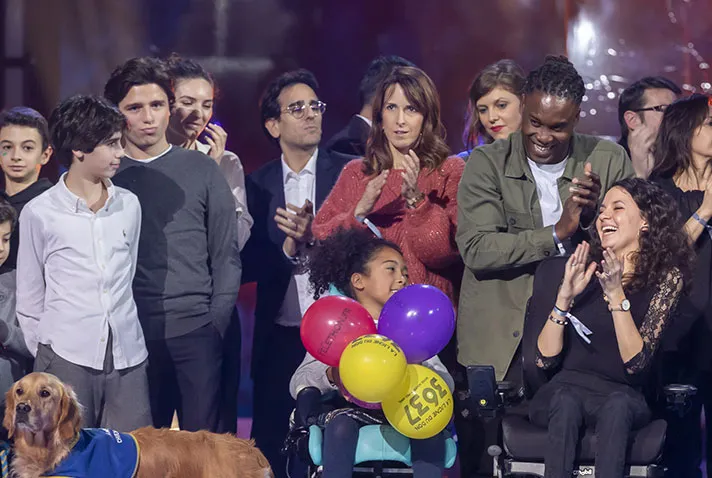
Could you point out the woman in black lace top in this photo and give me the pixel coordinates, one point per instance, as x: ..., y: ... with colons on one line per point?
x: 598, y: 335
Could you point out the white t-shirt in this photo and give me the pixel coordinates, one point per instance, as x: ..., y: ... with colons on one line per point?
x: 546, y: 177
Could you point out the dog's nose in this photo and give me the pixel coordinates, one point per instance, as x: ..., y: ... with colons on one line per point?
x: 23, y: 408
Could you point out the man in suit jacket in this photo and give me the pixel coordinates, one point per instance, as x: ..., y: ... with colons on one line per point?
x: 283, y: 196
x: 351, y: 141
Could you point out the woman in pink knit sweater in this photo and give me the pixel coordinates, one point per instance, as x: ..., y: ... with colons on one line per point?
x: 405, y: 188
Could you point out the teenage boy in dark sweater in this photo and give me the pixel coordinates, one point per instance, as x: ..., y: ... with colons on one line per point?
x: 189, y: 270
x: 24, y: 149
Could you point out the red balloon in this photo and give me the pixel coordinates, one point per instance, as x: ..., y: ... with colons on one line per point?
x: 332, y: 323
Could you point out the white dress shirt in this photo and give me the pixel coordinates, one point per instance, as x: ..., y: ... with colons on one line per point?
x: 298, y: 187
x: 74, y: 274
x: 546, y: 177
x: 231, y: 168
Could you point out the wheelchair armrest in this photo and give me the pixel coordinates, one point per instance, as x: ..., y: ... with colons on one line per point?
x: 682, y: 390
x: 309, y: 405
x: 505, y: 386
x: 678, y: 397
x: 487, y: 396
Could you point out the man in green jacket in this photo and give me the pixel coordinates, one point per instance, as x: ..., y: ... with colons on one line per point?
x: 520, y: 201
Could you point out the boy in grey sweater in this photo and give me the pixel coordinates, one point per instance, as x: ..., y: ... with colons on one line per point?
x: 188, y: 270
x: 14, y: 357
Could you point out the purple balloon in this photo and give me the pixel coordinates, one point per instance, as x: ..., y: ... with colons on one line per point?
x: 420, y: 319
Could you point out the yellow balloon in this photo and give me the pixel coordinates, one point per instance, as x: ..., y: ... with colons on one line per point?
x: 421, y: 406
x: 371, y: 367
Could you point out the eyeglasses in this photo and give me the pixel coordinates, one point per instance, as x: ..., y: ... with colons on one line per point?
x: 658, y: 108
x: 299, y: 109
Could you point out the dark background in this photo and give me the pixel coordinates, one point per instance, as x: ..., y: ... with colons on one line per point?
x: 71, y: 46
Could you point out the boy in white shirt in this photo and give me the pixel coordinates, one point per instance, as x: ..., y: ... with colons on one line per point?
x: 75, y: 267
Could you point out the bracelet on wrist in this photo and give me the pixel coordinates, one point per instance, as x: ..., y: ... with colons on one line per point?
x: 557, y: 321
x: 415, y: 201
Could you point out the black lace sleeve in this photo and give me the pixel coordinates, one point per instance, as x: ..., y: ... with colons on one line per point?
x: 546, y: 363
x: 656, y: 320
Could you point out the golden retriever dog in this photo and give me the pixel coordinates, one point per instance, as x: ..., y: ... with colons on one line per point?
x: 43, y: 416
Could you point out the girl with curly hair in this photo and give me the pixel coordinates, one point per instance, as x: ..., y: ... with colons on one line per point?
x: 598, y: 337
x: 368, y: 269
x: 683, y: 166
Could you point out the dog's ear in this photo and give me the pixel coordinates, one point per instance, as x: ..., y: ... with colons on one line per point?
x: 9, y: 420
x: 70, y: 418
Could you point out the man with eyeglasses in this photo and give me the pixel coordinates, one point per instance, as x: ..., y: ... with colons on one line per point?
x: 640, y: 111
x: 283, y: 196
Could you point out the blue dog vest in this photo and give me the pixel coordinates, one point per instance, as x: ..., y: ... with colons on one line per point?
x: 100, y: 453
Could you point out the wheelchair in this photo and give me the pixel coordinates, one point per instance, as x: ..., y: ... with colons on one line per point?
x: 523, y: 445
x: 381, y: 450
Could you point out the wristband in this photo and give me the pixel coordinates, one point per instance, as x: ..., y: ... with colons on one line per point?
x: 578, y: 326
x: 697, y: 218
x: 557, y: 241
x: 562, y: 313
x: 370, y: 225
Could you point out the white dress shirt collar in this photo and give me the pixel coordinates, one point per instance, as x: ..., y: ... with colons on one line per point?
x: 74, y: 202
x: 309, y: 168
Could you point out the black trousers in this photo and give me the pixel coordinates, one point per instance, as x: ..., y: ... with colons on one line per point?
x: 274, y: 363
x: 565, y: 408
x: 184, y: 375
x: 230, y: 387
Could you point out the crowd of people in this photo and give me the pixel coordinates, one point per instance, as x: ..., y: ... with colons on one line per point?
x: 121, y: 279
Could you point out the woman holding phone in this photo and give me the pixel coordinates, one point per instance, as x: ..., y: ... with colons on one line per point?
x: 190, y: 121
